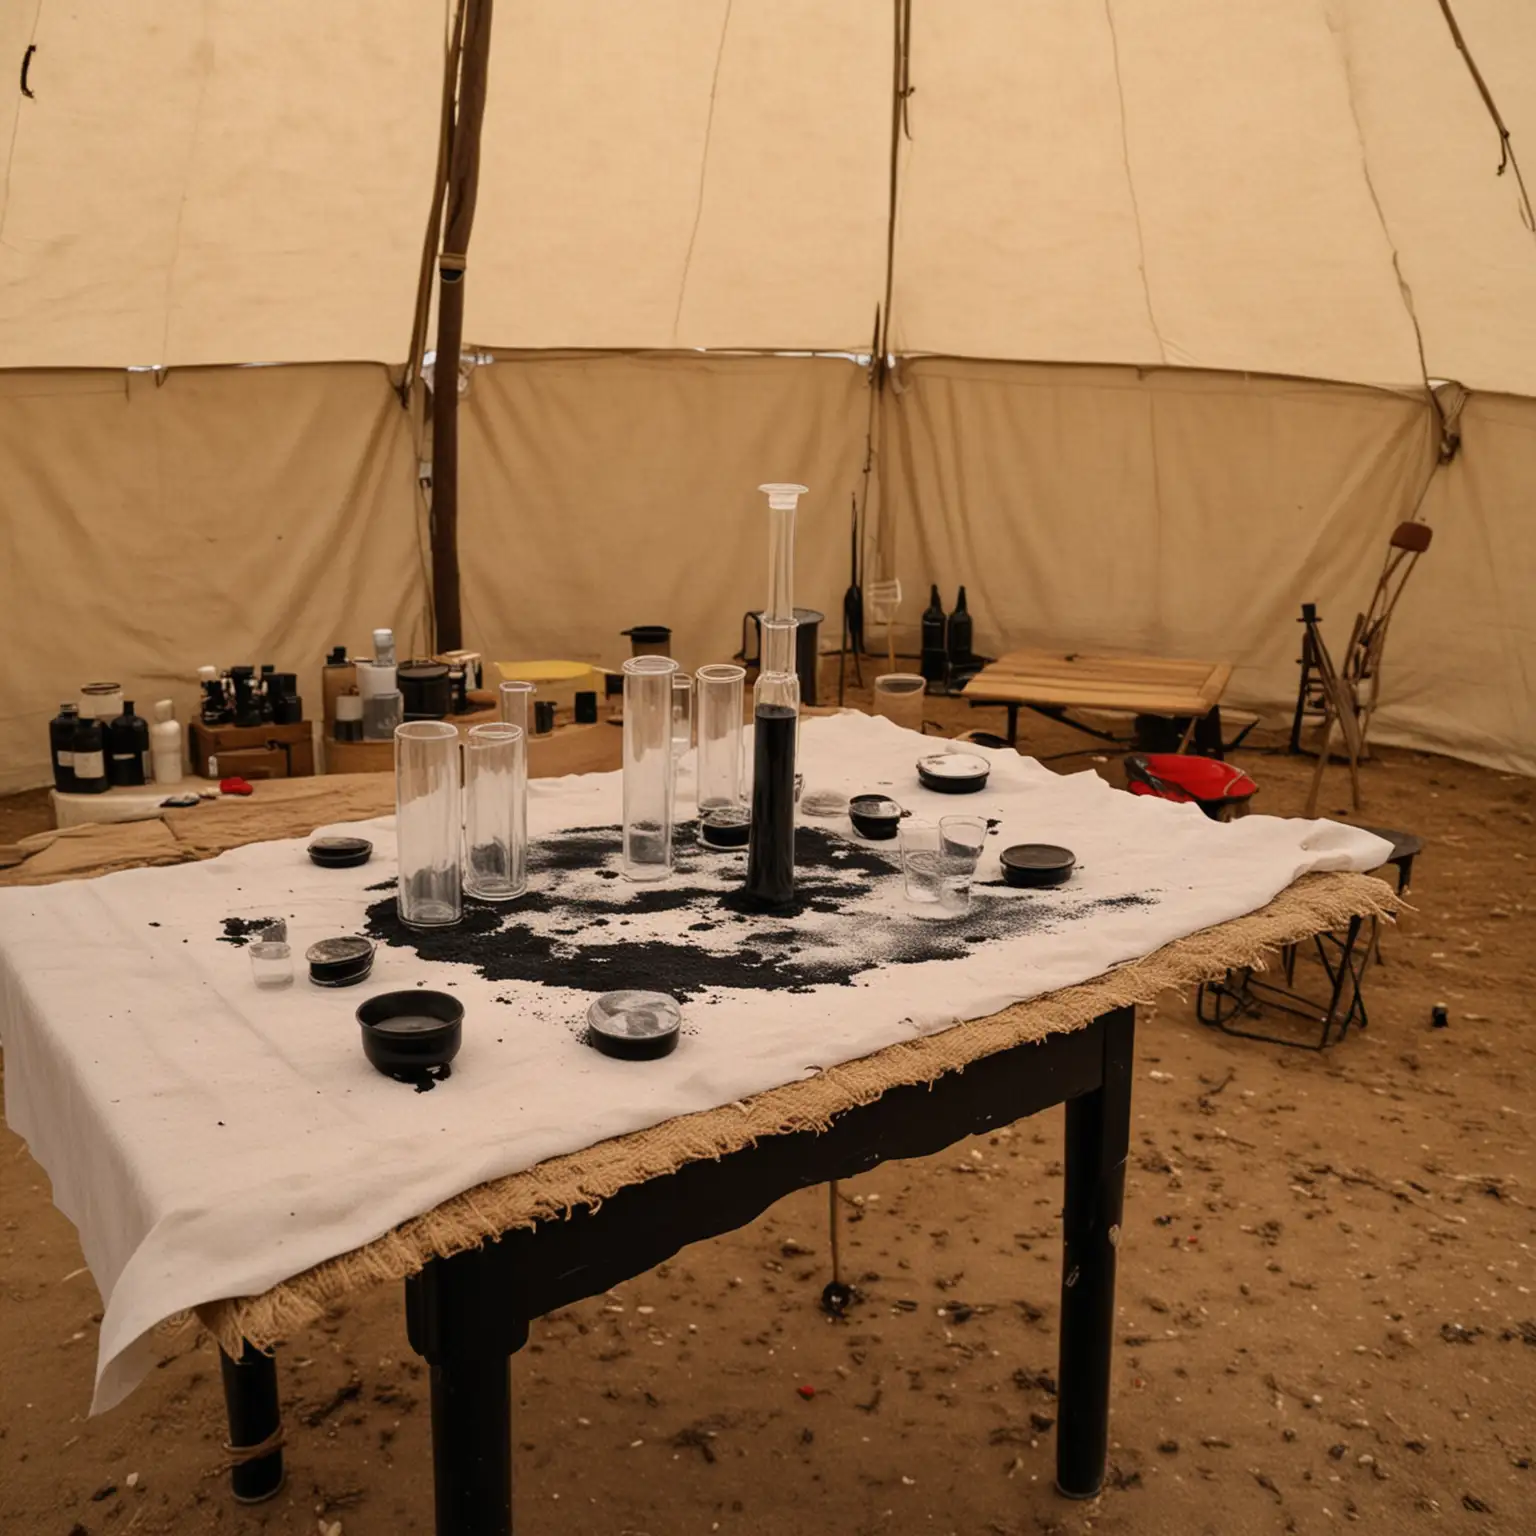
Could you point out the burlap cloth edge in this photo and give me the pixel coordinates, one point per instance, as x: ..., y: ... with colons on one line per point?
x: 553, y: 1188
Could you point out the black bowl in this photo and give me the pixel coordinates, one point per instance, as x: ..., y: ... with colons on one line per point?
x: 728, y: 826
x: 405, y: 1033
x: 875, y: 817
x: 1037, y: 864
x: 954, y: 773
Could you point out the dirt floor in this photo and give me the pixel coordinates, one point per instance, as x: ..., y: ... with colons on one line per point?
x: 1326, y: 1308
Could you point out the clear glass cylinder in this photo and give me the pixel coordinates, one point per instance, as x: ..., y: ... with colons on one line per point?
x: 496, y: 812
x: 516, y: 701
x: 648, y: 767
x: 775, y: 720
x: 682, y: 713
x: 899, y: 697
x: 782, y: 501
x: 429, y: 828
x: 717, y: 711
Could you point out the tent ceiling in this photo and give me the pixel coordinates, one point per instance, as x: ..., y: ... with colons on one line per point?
x: 1165, y: 181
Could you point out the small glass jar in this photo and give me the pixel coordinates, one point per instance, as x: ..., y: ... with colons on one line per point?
x: 271, y: 958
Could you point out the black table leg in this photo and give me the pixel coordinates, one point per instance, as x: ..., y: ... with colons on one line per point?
x: 466, y: 1326
x: 1098, y: 1137
x: 255, y: 1425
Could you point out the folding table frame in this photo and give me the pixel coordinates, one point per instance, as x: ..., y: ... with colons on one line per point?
x: 468, y: 1314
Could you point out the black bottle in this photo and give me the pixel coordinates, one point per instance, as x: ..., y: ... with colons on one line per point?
x: 933, y: 664
x: 959, y: 635
x: 127, y: 747
x: 90, y: 756
x: 61, y: 747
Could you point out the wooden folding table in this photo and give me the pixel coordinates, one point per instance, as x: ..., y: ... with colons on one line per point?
x: 1052, y: 682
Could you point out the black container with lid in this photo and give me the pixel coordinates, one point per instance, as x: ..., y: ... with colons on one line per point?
x: 128, y: 747
x: 90, y: 754
x: 426, y: 690
x: 61, y: 747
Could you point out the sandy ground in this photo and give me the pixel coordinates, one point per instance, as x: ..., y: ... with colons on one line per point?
x: 1326, y: 1299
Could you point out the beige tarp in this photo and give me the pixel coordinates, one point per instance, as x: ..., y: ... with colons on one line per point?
x: 224, y: 515
x: 1189, y: 515
x: 600, y: 492
x: 1309, y: 188
x: 255, y: 514
x: 1196, y: 182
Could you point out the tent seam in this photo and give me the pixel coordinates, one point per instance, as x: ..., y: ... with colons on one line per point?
x: 698, y: 207
x: 1130, y: 184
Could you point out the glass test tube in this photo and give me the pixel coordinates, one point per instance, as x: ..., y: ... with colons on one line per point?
x: 496, y: 812
x: 516, y: 701
x: 428, y: 826
x: 775, y: 719
x: 648, y: 767
x: 718, y: 709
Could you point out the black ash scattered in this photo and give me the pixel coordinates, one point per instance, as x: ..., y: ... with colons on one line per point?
x: 241, y: 930
x: 577, y: 929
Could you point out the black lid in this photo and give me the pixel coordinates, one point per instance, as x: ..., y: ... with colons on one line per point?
x: 337, y: 657
x: 649, y: 632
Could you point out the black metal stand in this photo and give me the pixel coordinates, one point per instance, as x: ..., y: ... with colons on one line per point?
x: 467, y: 1314
x: 1243, y: 994
x: 255, y: 1423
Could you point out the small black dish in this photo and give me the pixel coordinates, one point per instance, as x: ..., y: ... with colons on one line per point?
x: 340, y: 852
x: 1036, y: 864
x: 728, y: 827
x: 954, y: 773
x: 405, y: 1034
x: 340, y: 962
x: 634, y: 1026
x: 874, y: 817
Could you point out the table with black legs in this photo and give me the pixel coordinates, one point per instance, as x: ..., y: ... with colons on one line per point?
x: 468, y: 1315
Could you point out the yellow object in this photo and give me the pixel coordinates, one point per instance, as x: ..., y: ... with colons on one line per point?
x: 554, y: 681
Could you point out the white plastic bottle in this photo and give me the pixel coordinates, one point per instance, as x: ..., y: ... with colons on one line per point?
x: 165, y: 744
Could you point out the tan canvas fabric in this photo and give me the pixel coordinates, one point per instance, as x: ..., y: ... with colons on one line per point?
x: 1277, y: 185
x: 1460, y: 672
x: 601, y: 492
x: 683, y: 173
x: 219, y: 516
x: 216, y: 183
x: 1188, y: 514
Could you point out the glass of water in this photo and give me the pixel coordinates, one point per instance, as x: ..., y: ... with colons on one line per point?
x: 938, y: 868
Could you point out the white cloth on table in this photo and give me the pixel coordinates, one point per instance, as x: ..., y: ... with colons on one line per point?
x: 210, y: 1139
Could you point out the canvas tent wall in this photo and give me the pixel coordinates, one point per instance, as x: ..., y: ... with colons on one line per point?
x: 1308, y: 190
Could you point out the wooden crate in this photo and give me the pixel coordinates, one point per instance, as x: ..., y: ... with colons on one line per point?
x: 253, y: 751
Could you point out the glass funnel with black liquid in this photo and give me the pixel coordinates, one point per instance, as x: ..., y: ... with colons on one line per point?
x: 775, y: 716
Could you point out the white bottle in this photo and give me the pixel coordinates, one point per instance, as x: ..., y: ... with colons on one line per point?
x: 384, y: 648
x: 165, y: 744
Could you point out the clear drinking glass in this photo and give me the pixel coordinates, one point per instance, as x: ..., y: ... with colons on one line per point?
x: 648, y: 767
x: 496, y: 812
x: 271, y: 959
x: 718, y: 710
x: 938, y: 872
x: 516, y: 700
x: 899, y: 697
x: 962, y: 836
x: 428, y: 824
x: 682, y: 713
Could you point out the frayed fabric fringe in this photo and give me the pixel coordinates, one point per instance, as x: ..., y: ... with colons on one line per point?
x: 550, y: 1190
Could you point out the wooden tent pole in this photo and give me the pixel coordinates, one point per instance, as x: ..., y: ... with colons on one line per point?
x: 463, y: 185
